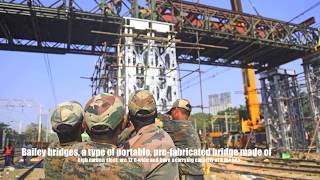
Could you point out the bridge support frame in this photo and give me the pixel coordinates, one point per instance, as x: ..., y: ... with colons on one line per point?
x: 282, y: 109
x: 311, y: 67
x: 146, y: 59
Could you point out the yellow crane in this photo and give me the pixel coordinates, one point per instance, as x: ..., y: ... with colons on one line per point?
x: 250, y: 118
x: 250, y: 121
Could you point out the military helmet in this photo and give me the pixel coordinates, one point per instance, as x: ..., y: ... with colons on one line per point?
x: 181, y: 103
x: 142, y: 104
x: 67, y: 113
x: 104, y: 109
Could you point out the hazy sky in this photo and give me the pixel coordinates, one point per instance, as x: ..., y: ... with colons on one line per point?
x: 24, y: 76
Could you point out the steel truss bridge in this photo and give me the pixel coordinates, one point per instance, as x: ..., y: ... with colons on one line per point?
x: 66, y: 27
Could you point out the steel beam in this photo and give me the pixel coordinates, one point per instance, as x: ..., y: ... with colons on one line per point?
x: 143, y: 64
x: 262, y: 30
x: 215, y: 26
x: 312, y: 74
x: 283, y: 115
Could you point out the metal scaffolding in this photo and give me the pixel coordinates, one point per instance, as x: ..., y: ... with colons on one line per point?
x: 282, y: 109
x: 312, y: 74
x: 146, y: 60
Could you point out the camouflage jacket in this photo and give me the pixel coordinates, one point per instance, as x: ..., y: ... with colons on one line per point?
x: 184, y: 136
x: 151, y: 137
x: 53, y: 165
x: 73, y: 169
x: 124, y: 136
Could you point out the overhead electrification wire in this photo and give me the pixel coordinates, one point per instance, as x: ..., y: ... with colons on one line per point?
x: 304, y: 12
x: 50, y: 77
x: 254, y: 8
x: 207, y: 78
x: 189, y: 81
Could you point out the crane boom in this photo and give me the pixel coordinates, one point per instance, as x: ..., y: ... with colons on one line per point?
x: 252, y: 102
x: 252, y: 121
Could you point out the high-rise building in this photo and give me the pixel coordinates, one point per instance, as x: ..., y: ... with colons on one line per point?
x: 219, y: 102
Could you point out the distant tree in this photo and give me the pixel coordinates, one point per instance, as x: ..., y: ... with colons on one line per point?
x: 201, y: 119
x: 234, y: 111
x: 10, y: 134
x: 31, y: 132
x: 3, y: 126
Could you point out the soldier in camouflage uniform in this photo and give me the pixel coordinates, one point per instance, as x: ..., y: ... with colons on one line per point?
x: 66, y: 121
x: 104, y: 118
x: 184, y: 136
x: 125, y: 134
x: 142, y: 114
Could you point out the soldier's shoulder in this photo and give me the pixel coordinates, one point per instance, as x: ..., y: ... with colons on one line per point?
x: 80, y: 145
x: 164, y: 117
x: 152, y: 136
x: 54, y: 145
x: 176, y: 125
x: 167, y: 139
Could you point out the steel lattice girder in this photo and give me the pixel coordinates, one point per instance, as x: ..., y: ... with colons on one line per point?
x: 250, y: 38
x: 55, y: 30
x: 263, y: 42
x: 229, y: 24
x: 283, y: 115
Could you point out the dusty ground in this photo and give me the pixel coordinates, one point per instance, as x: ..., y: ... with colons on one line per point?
x: 36, y: 174
x: 305, y: 155
x: 18, y: 169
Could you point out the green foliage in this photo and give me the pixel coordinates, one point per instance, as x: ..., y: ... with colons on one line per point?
x: 232, y: 110
x: 3, y: 126
x: 219, y: 123
x: 31, y: 133
x: 10, y: 134
x: 201, y: 119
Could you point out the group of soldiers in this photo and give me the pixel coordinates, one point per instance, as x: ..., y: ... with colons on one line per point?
x: 110, y: 7
x: 104, y: 120
x: 113, y: 7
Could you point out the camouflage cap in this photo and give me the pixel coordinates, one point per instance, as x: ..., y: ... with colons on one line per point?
x: 104, y: 109
x: 69, y: 113
x: 181, y: 103
x: 142, y: 104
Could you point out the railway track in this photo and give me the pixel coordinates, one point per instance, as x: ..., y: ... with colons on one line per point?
x: 296, y: 163
x: 271, y: 168
x: 263, y: 175
x: 29, y: 171
x: 21, y: 171
x: 294, y: 160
